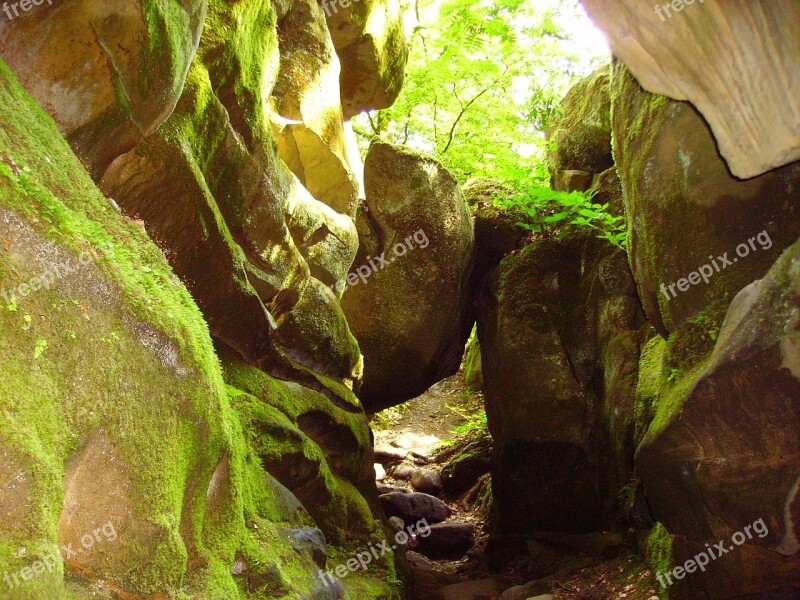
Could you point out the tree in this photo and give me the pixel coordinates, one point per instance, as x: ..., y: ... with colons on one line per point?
x: 483, y: 83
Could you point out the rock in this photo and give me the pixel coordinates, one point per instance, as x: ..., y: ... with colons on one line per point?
x: 481, y: 589
x: 428, y: 481
x: 674, y: 179
x: 417, y: 220
x: 473, y: 372
x: 388, y: 489
x: 724, y: 443
x: 309, y: 541
x: 386, y: 455
x: 105, y: 72
x: 413, y: 507
x: 397, y: 524
x: 369, y: 37
x: 307, y: 111
x: 418, y: 560
x: 551, y: 316
x: 115, y: 356
x: 497, y: 230
x: 534, y: 590
x: 573, y: 180
x: 380, y: 472
x: 582, y: 134
x: 466, y: 467
x: 448, y: 540
x: 278, y: 311
x: 318, y: 450
x: 751, y: 106
x: 403, y: 472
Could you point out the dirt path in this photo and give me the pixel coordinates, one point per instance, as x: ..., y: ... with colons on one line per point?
x: 424, y: 423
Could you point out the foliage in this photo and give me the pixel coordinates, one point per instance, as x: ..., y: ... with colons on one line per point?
x: 484, y: 82
x: 547, y: 211
x: 472, y: 421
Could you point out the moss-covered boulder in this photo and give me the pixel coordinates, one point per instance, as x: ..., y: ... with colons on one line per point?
x: 686, y: 212
x: 407, y: 298
x: 129, y: 469
x: 109, y: 73
x: 721, y: 458
x: 369, y: 36
x: 581, y: 134
x: 257, y: 251
x: 560, y: 328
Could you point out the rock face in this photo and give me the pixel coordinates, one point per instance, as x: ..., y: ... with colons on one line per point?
x: 410, y: 316
x: 582, y: 134
x: 370, y: 40
x: 559, y: 328
x: 674, y: 182
x: 750, y: 102
x: 721, y: 459
x: 307, y: 120
x: 274, y: 247
x: 124, y: 447
x: 219, y: 128
x: 120, y: 68
x: 582, y: 159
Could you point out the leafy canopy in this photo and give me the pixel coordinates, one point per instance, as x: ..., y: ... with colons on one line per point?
x: 484, y: 81
x: 483, y: 84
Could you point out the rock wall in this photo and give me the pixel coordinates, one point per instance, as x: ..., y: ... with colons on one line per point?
x: 712, y: 257
x: 745, y: 90
x: 218, y: 131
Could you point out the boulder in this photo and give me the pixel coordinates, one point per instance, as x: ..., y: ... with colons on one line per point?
x: 407, y: 299
x: 552, y: 317
x: 750, y: 105
x: 473, y: 371
x: 581, y: 134
x: 465, y: 468
x: 369, y: 37
x: 415, y: 506
x: 387, y: 489
x: 721, y: 456
x: 109, y: 73
x: 448, y: 540
x: 428, y: 481
x: 675, y: 182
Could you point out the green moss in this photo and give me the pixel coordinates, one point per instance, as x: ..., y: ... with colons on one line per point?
x: 658, y: 555
x: 144, y: 372
x: 473, y: 371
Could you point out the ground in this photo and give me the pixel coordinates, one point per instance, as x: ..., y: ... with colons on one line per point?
x: 436, y: 422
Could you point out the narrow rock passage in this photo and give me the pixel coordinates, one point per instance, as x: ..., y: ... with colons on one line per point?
x: 432, y: 462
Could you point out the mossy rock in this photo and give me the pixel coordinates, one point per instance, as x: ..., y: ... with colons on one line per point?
x: 110, y: 383
x: 473, y: 372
